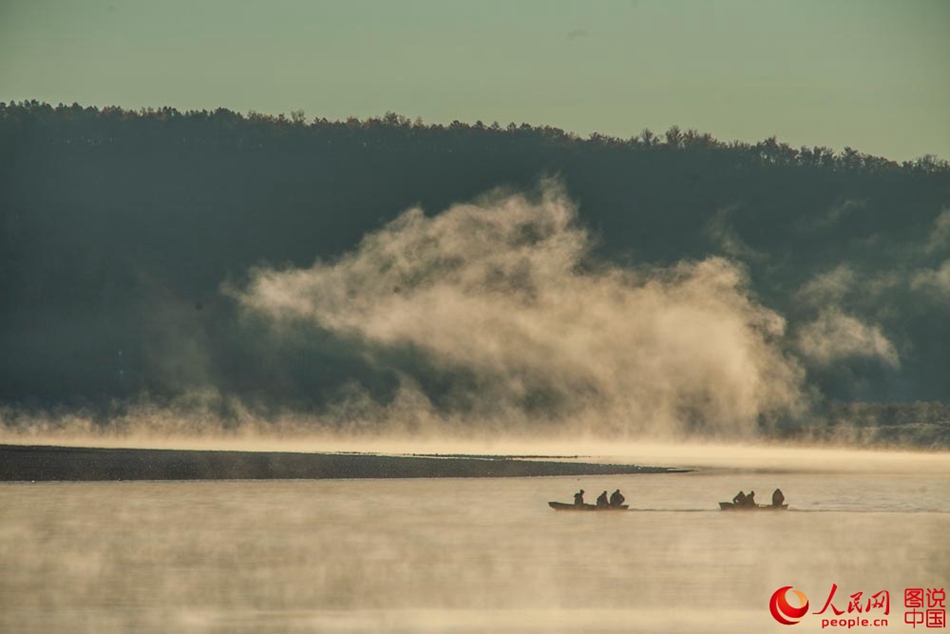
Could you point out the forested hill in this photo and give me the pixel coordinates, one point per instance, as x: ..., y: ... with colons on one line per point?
x: 119, y: 228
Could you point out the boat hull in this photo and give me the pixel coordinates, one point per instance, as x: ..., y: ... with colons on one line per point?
x: 729, y: 506
x: 561, y: 506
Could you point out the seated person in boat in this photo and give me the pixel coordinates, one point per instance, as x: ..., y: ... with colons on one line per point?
x: 778, y: 498
x: 602, y: 501
x: 739, y: 500
x: 616, y: 498
x: 750, y: 499
x: 579, y: 498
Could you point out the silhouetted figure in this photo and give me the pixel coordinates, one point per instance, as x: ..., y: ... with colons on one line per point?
x: 739, y: 500
x: 616, y: 498
x: 750, y: 499
x: 778, y: 498
x: 579, y: 498
x: 602, y: 502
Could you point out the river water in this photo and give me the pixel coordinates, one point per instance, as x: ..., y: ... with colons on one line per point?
x: 465, y: 555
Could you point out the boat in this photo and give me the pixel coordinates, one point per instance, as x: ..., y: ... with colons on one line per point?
x: 730, y: 506
x: 563, y: 506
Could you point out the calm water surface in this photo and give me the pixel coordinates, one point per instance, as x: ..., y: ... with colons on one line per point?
x: 459, y: 555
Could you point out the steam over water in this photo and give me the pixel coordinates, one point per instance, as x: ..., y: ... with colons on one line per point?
x: 492, y: 321
x: 462, y: 555
x: 503, y: 299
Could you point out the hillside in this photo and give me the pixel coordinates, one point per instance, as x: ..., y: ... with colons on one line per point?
x: 122, y: 233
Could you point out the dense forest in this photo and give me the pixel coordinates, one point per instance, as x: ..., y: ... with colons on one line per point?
x: 121, y: 233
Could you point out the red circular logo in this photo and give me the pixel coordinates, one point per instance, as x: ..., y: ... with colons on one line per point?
x: 782, y: 611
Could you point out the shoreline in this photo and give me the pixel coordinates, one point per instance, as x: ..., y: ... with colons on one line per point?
x: 49, y: 463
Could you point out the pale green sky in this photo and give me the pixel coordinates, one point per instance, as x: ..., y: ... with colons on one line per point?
x: 872, y: 74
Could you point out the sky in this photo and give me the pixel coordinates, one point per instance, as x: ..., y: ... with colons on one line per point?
x: 870, y: 74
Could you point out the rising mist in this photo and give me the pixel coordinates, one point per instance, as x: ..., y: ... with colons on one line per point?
x: 504, y: 300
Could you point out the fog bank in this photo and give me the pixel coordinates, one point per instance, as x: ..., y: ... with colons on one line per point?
x: 504, y: 297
